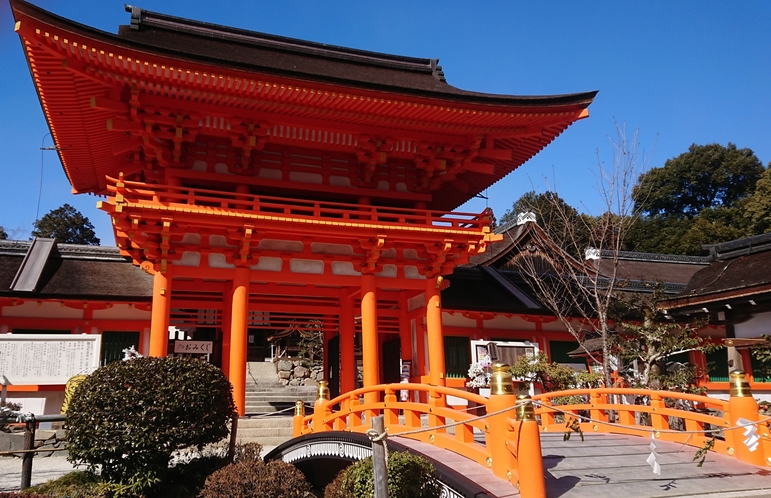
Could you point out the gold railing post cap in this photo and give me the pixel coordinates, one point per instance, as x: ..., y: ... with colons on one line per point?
x: 740, y: 386
x: 323, y: 390
x: 299, y: 408
x: 501, y: 381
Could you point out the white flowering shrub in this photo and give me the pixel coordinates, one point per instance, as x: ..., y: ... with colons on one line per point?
x: 479, y: 377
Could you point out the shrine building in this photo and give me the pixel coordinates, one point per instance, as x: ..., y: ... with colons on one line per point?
x: 262, y: 180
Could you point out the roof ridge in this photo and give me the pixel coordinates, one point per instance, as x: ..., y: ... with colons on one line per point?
x: 657, y: 257
x: 141, y: 17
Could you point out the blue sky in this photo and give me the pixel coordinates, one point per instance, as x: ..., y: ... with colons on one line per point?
x: 681, y: 72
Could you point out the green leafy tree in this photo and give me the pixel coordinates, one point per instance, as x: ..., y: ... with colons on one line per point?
x: 704, y: 177
x: 3, y: 234
x: 67, y: 225
x: 758, y: 206
x: 553, y: 376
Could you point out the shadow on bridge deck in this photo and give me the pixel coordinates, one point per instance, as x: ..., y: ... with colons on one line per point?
x: 604, y: 465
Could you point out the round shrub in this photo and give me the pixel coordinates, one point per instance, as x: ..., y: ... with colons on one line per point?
x: 409, y: 476
x: 128, y: 417
x: 253, y: 478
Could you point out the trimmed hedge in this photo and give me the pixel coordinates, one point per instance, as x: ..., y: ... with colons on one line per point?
x: 128, y: 417
x: 250, y: 477
x: 409, y: 476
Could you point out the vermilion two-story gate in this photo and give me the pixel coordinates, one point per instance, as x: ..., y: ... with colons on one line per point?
x: 262, y: 179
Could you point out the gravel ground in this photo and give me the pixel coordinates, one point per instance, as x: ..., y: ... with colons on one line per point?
x: 43, y: 469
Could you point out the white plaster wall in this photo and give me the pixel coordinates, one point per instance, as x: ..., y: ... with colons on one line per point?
x: 43, y: 310
x: 508, y: 323
x: 756, y: 326
x: 38, y: 402
x: 457, y: 320
x: 121, y: 312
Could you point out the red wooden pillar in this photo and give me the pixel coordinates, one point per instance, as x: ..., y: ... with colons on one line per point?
x: 347, y: 353
x: 227, y: 309
x: 435, y: 338
x: 369, y: 342
x: 159, y: 321
x: 238, y: 337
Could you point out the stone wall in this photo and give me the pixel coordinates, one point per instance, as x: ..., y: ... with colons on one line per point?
x: 293, y: 373
x: 49, y: 441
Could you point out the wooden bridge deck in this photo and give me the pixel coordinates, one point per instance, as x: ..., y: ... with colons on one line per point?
x: 614, y: 465
x: 610, y: 465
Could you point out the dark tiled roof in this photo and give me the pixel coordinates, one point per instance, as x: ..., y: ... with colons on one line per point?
x: 223, y: 46
x: 737, y: 282
x: 674, y: 273
x: 300, y: 58
x: 77, y: 272
x: 744, y: 272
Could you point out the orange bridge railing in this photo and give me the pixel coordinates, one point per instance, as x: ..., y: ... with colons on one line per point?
x: 502, y: 432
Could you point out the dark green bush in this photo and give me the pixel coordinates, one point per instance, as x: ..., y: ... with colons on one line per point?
x: 128, y: 417
x: 409, y: 476
x: 76, y: 484
x: 250, y: 477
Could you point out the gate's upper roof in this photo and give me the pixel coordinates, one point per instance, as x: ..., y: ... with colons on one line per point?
x: 239, y: 70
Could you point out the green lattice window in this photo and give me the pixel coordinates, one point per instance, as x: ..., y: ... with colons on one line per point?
x: 113, y: 344
x: 717, y: 365
x: 457, y: 356
x: 761, y: 370
x: 558, y: 352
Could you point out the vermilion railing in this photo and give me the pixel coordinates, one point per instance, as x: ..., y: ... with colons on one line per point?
x: 670, y: 416
x: 204, y: 199
x: 510, y: 446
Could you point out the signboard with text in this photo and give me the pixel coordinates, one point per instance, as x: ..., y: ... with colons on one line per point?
x: 46, y: 359
x: 193, y: 347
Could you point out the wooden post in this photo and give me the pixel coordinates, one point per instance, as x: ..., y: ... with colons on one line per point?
x: 529, y: 456
x: 233, y: 435
x: 741, y: 405
x: 297, y: 421
x: 435, y: 337
x: 238, y: 337
x: 159, y: 320
x: 501, y: 461
x: 369, y: 342
x: 26, y: 461
x: 379, y: 469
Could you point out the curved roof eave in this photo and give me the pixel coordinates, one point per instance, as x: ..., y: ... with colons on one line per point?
x: 369, y: 70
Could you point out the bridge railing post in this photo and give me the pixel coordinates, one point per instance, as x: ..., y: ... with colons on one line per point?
x: 321, y: 407
x: 500, y: 459
x: 297, y: 421
x: 529, y: 455
x: 741, y: 405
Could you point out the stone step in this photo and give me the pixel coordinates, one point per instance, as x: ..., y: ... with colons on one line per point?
x: 265, y: 441
x: 279, y: 396
x: 268, y: 431
x: 272, y: 422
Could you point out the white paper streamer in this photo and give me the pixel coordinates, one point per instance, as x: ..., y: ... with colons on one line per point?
x: 751, y: 438
x: 652, y: 458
